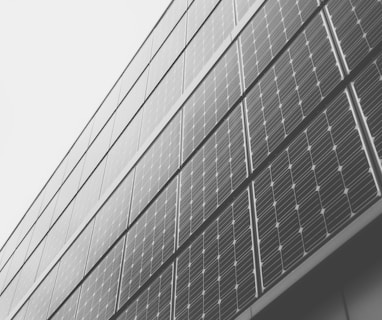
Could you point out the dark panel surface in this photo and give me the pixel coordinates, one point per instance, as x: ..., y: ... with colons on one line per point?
x: 156, y: 166
x: 216, y: 273
x: 208, y: 39
x: 212, y: 174
x: 290, y: 90
x: 98, y: 295
x: 368, y: 86
x: 150, y: 242
x: 111, y: 220
x: 358, y: 27
x: 211, y: 101
x: 155, y: 302
x: 269, y: 31
x: 311, y: 190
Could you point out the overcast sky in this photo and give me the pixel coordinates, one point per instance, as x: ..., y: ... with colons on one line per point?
x: 58, y: 60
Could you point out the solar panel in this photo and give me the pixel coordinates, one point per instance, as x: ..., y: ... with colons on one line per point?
x: 130, y: 105
x: 291, y: 90
x: 368, y: 86
x: 208, y: 39
x: 71, y: 268
x: 216, y: 273
x: 153, y: 303
x: 212, y: 174
x: 162, y: 99
x: 87, y: 196
x: 358, y: 27
x: 167, y: 22
x: 157, y: 165
x: 39, y: 301
x: 122, y: 151
x: 197, y: 13
x: 98, y: 297
x: 211, y: 101
x: 311, y: 190
x: 167, y: 54
x: 111, y: 220
x: 150, y: 242
x: 268, y: 32
x: 69, y: 308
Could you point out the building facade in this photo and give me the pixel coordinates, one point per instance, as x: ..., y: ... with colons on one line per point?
x: 232, y: 172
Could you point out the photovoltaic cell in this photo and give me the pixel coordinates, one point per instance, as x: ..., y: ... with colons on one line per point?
x: 167, y: 54
x: 155, y: 302
x: 69, y: 308
x: 98, y: 297
x: 216, y: 273
x: 71, y: 268
x: 211, y: 101
x: 150, y: 242
x: 122, y: 151
x: 358, y: 27
x: 111, y: 220
x: 156, y: 166
x: 368, y: 86
x: 208, y: 39
x: 39, y: 301
x: 162, y: 99
x: 311, y: 190
x: 268, y: 32
x: 212, y: 174
x: 290, y: 90
x: 197, y: 13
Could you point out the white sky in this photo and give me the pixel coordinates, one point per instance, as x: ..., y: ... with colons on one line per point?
x: 58, y: 60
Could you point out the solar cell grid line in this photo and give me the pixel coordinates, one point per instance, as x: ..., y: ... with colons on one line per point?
x: 167, y: 54
x: 197, y: 13
x: 319, y: 183
x: 22, y: 312
x: 99, y: 291
x: 154, y: 303
x: 71, y: 268
x: 162, y: 99
x: 39, y: 301
x: 216, y: 273
x: 208, y: 39
x: 290, y: 90
x: 357, y: 26
x: 368, y: 88
x: 212, y: 174
x: 213, y: 98
x: 111, y: 220
x: 270, y: 29
x: 150, y: 242
x: 68, y: 309
x: 156, y: 167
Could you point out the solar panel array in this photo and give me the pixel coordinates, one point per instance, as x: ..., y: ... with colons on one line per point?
x: 216, y: 273
x: 208, y: 39
x: 211, y: 101
x: 150, y: 242
x: 272, y: 153
x: 154, y: 302
x: 99, y: 291
x: 291, y: 90
x: 212, y: 174
x: 311, y: 189
x: 155, y: 168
